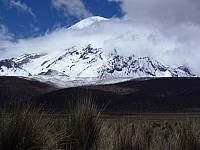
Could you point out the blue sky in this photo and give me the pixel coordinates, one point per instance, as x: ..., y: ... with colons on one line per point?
x: 29, y: 18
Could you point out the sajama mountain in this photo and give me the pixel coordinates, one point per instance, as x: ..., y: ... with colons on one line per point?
x: 88, y: 61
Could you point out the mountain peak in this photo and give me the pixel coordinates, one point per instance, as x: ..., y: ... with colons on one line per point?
x: 87, y: 22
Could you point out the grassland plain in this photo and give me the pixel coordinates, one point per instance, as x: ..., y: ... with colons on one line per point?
x: 84, y: 126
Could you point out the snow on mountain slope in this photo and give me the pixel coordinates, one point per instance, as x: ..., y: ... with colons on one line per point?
x: 87, y: 22
x: 8, y: 67
x: 119, y: 66
x: 90, y: 62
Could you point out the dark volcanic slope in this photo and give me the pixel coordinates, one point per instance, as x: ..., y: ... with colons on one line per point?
x: 15, y: 88
x: 141, y: 95
x: 153, y: 95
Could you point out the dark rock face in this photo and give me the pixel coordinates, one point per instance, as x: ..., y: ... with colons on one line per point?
x: 186, y: 69
x: 9, y: 63
x: 52, y: 72
x: 26, y: 58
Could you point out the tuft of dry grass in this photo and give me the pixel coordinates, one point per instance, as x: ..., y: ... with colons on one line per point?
x: 84, y: 124
x: 23, y: 127
x: 125, y: 134
x: 186, y: 136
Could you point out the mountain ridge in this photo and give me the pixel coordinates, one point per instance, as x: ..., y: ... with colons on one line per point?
x: 89, y: 62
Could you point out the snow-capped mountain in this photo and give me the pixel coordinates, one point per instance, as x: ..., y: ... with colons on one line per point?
x: 88, y: 62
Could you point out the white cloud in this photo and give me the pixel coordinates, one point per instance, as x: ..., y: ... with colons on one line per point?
x: 163, y: 11
x: 5, y: 39
x: 72, y: 7
x: 21, y: 6
x: 169, y: 16
x: 4, y: 33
